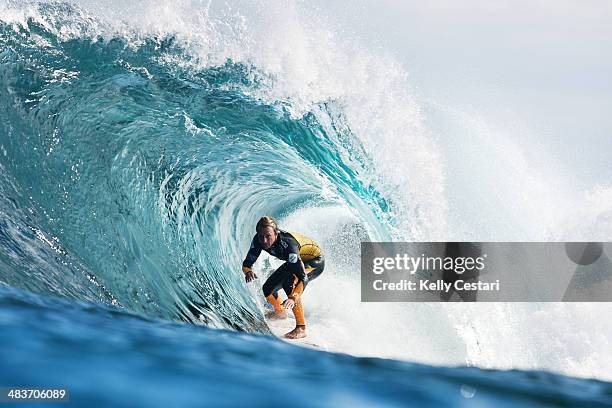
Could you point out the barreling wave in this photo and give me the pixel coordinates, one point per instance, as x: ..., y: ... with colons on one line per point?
x: 140, y: 141
x: 135, y: 181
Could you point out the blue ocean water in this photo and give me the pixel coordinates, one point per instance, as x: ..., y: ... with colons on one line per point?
x: 132, y: 172
x: 106, y: 356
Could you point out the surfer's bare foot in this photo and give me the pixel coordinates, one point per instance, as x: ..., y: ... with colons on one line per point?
x: 297, y: 333
x: 271, y: 314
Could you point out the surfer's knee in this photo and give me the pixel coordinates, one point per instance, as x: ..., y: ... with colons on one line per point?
x: 267, y: 289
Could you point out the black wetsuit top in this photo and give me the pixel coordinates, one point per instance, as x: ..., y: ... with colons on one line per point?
x: 287, y: 248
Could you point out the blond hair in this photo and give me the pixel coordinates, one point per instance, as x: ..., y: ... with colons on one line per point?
x: 266, y: 221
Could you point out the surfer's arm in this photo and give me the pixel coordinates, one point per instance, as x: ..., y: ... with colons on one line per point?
x: 250, y: 259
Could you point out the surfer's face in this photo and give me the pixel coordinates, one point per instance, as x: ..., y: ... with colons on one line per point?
x: 266, y: 236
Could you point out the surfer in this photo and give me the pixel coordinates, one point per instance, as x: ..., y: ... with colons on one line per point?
x: 303, y: 263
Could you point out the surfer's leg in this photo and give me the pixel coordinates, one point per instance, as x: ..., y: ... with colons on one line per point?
x: 314, y: 268
x: 300, y: 324
x: 271, y: 287
x: 298, y: 310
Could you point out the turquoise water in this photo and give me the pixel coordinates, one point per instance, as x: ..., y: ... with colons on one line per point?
x: 132, y: 172
x: 145, y: 179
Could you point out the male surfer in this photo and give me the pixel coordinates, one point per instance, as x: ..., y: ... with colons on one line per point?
x: 303, y: 263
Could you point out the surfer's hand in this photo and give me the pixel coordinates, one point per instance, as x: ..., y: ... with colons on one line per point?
x: 249, y: 276
x: 288, y: 303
